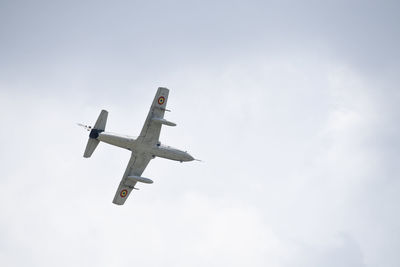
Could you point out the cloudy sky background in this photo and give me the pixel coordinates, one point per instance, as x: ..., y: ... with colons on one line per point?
x: 294, y: 108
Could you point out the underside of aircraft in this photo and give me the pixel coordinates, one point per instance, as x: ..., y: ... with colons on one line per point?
x: 144, y: 148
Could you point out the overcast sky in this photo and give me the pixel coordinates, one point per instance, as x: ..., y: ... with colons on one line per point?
x: 294, y: 107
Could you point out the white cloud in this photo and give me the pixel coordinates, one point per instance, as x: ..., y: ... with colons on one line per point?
x: 300, y: 142
x: 287, y: 163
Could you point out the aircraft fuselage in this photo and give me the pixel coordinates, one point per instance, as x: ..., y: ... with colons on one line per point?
x: 131, y: 144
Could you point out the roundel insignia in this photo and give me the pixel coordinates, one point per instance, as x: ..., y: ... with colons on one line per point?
x: 123, y: 193
x: 161, y: 100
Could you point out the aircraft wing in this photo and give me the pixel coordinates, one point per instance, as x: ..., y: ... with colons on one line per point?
x: 150, y: 133
x: 136, y: 166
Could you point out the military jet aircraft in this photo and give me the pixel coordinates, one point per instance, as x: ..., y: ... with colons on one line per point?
x: 144, y: 148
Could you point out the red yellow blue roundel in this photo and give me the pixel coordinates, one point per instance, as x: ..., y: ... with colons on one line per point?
x: 161, y: 100
x: 123, y: 193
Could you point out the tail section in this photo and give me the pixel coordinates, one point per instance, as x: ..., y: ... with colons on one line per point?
x: 101, y: 121
x: 99, y: 127
x: 90, y: 147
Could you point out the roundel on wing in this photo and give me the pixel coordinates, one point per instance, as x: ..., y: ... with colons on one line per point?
x: 123, y: 193
x: 161, y: 100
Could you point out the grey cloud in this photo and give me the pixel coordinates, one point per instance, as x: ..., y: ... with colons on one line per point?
x: 118, y: 40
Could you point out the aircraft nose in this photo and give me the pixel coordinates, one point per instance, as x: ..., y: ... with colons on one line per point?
x: 189, y: 157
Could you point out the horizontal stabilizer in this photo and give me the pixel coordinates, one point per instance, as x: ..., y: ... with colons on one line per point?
x: 90, y: 147
x: 99, y: 127
x: 101, y: 121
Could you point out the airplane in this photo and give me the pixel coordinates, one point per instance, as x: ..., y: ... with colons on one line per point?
x: 144, y: 148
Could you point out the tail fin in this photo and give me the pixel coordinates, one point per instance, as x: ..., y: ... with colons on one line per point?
x: 99, y: 127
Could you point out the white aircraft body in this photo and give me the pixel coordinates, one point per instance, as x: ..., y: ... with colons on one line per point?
x: 144, y: 148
